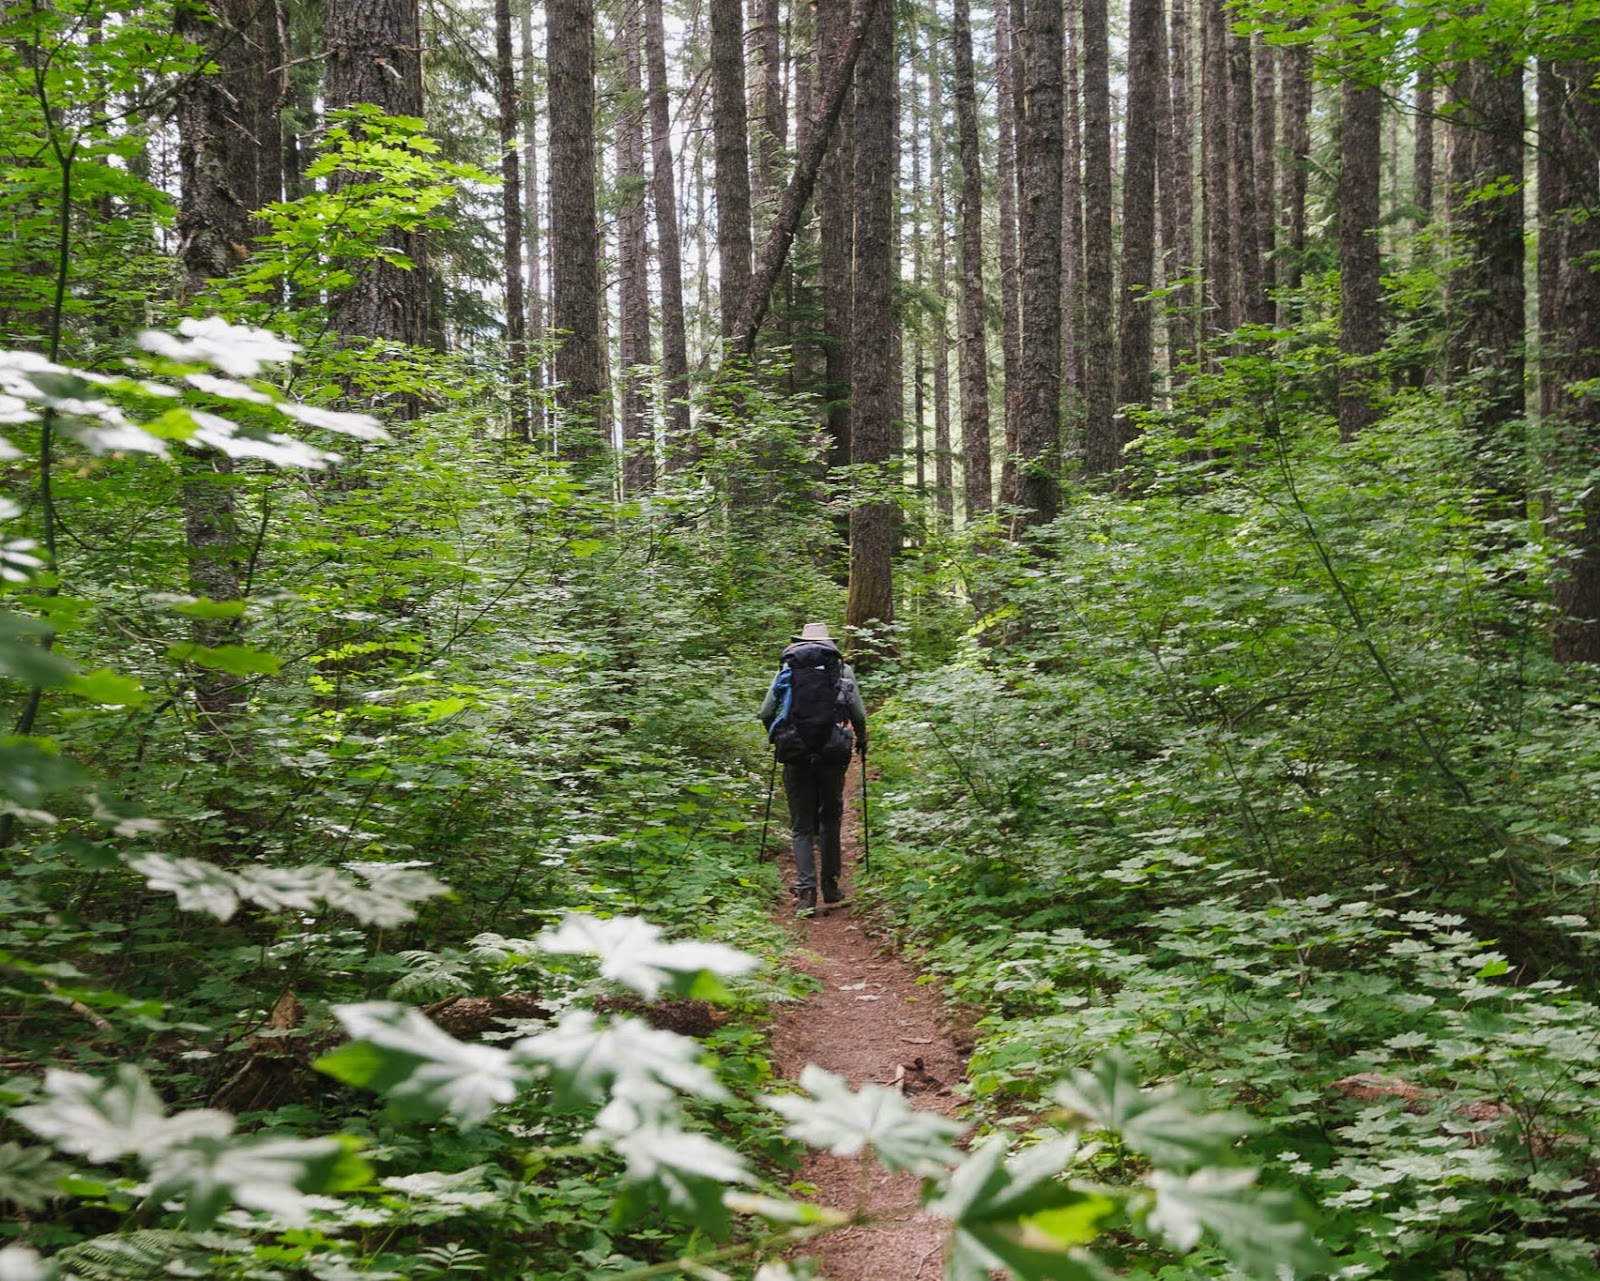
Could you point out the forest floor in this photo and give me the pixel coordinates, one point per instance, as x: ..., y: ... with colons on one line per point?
x: 870, y: 1021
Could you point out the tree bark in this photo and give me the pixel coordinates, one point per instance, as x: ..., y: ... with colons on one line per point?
x: 1135, y: 347
x: 943, y: 471
x: 730, y: 129
x: 1422, y: 149
x: 1100, y: 450
x: 1248, y: 298
x: 771, y: 129
x: 1217, y: 309
x: 669, y: 249
x: 1484, y: 298
x: 873, y: 413
x: 1039, y: 420
x: 1072, y: 370
x: 1265, y: 138
x: 575, y: 232
x: 374, y: 55
x: 1360, y: 331
x: 786, y: 222
x: 1569, y: 239
x: 532, y: 220
x: 1296, y: 167
x: 919, y: 254
x: 1007, y: 63
x: 1176, y: 178
x: 633, y: 267
x: 974, y: 355
x: 837, y: 232
x: 511, y: 215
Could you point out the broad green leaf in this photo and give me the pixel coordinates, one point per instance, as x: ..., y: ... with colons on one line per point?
x: 28, y: 1177
x: 102, y: 1120
x: 420, y: 1066
x: 273, y: 1175
x: 1262, y: 1233
x: 205, y: 607
x: 632, y: 952
x: 692, y: 1170
x: 844, y: 1122
x: 638, y: 1062
x: 108, y: 688
x: 1161, y: 1123
x: 31, y: 769
x: 198, y: 885
x: 777, y: 1210
x: 239, y: 660
x: 1020, y: 1215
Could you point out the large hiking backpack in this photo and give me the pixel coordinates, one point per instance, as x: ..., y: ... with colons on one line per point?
x: 811, y: 725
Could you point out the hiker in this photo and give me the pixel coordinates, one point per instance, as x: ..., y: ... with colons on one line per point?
x: 809, y: 712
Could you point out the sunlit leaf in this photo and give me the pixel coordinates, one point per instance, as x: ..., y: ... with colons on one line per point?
x: 845, y: 1121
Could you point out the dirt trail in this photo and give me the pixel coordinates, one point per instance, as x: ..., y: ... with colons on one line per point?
x: 870, y: 1021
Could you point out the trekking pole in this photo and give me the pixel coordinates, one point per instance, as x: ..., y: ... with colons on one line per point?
x: 866, y: 820
x: 772, y: 782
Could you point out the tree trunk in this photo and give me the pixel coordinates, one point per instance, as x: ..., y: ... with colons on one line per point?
x: 1039, y: 422
x: 511, y: 215
x: 1296, y: 165
x: 1007, y: 62
x: 374, y: 55
x: 230, y: 165
x: 1360, y: 333
x: 943, y: 478
x: 1217, y: 312
x: 1265, y: 137
x: 1072, y: 228
x: 1135, y: 355
x: 771, y: 131
x: 919, y: 253
x: 1100, y: 450
x: 533, y: 220
x: 1484, y: 301
x: 974, y: 355
x: 669, y: 250
x: 837, y: 231
x: 873, y: 412
x: 575, y: 232
x: 1248, y: 298
x: 730, y: 128
x: 1569, y: 178
x: 633, y: 270
x: 1176, y: 178
x: 819, y: 133
x: 1422, y: 149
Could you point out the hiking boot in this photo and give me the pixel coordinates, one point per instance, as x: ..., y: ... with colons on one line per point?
x: 806, y: 904
x: 830, y: 890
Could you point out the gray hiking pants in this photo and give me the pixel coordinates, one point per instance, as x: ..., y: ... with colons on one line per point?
x: 816, y: 808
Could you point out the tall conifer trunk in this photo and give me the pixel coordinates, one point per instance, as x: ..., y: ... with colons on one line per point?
x: 1360, y: 333
x: 837, y: 231
x: 1569, y: 239
x: 1039, y: 422
x: 1008, y: 62
x: 874, y: 417
x: 1244, y: 228
x: 730, y: 128
x: 533, y: 221
x: 574, y: 231
x: 669, y: 249
x: 511, y: 216
x: 633, y: 266
x: 1072, y: 226
x: 1146, y: 35
x: 974, y: 356
x: 1296, y: 165
x: 1217, y: 310
x: 1266, y: 139
x: 1176, y: 178
x: 1100, y: 453
x: 375, y: 55
x: 943, y: 472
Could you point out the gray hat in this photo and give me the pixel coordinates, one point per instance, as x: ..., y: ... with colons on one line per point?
x: 815, y: 632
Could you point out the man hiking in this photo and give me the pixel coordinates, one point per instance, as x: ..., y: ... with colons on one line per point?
x: 810, y: 712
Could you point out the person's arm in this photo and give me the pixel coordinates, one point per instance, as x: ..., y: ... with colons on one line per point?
x: 857, y: 710
x: 769, y: 708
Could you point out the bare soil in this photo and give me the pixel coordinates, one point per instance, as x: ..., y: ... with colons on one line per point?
x: 871, y: 1021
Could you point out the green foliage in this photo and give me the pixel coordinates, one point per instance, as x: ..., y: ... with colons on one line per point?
x: 1261, y: 778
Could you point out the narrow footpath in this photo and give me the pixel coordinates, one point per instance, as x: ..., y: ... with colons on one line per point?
x: 870, y: 1022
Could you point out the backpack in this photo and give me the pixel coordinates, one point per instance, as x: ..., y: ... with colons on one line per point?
x: 809, y: 725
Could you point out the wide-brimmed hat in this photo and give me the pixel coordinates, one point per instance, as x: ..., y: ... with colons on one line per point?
x: 815, y: 632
